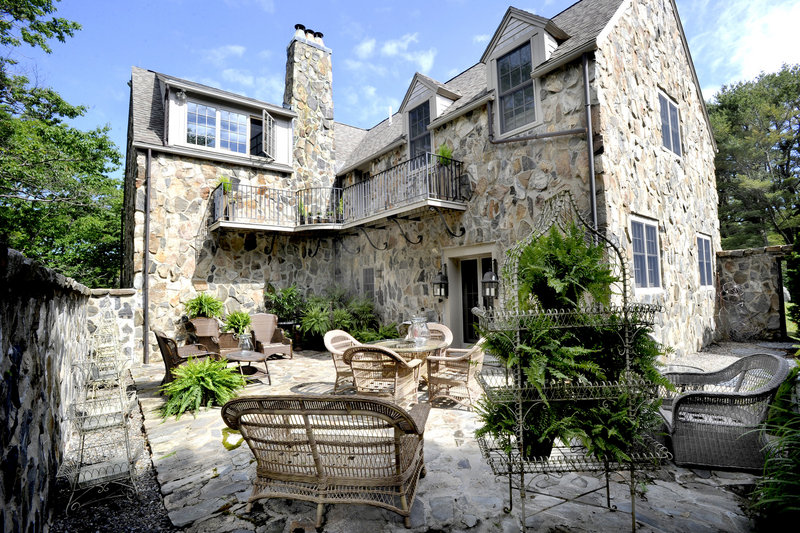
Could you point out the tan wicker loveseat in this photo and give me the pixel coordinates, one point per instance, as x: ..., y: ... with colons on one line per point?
x: 333, y: 449
x: 714, y: 419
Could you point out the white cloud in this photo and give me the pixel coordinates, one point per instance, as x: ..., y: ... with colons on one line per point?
x: 367, y: 106
x: 218, y: 56
x: 395, y: 47
x: 365, y: 66
x: 482, y: 38
x: 270, y: 88
x: 239, y: 77
x: 365, y: 48
x: 423, y: 59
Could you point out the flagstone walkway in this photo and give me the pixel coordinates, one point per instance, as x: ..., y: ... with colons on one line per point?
x: 206, y: 480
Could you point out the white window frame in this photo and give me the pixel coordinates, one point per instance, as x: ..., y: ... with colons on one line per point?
x: 705, y: 263
x: 670, y: 124
x: 268, y: 134
x: 649, y: 285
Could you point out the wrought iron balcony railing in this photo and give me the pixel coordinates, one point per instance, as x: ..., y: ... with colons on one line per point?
x: 409, y: 184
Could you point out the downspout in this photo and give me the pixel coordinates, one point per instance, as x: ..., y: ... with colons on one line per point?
x: 145, y: 264
x: 589, y: 140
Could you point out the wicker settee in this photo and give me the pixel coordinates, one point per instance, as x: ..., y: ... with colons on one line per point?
x: 715, y: 419
x: 332, y: 449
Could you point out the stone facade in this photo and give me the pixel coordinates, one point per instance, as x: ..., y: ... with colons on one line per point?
x: 640, y: 51
x: 642, y: 55
x: 750, y: 293
x: 42, y: 330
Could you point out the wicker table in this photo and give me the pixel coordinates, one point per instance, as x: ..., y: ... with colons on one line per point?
x: 249, y: 372
x: 410, y: 350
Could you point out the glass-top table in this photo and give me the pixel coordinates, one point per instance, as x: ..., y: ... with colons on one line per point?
x: 410, y: 350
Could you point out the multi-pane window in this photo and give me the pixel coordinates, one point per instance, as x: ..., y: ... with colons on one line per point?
x: 369, y: 283
x: 201, y: 125
x: 704, y: 260
x: 670, y: 125
x: 233, y: 132
x: 418, y: 135
x: 515, y: 87
x: 645, y: 254
x: 230, y: 131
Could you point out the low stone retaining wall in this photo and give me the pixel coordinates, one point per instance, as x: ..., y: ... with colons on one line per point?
x: 749, y: 292
x: 42, y: 329
x: 46, y: 321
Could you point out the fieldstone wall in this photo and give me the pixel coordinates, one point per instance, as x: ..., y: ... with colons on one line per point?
x: 750, y: 293
x: 43, y: 328
x: 124, y: 308
x: 642, y: 55
x: 508, y: 182
x: 309, y: 92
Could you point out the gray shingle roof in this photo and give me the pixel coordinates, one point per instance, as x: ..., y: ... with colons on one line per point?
x: 346, y: 139
x: 148, y: 110
x: 582, y: 21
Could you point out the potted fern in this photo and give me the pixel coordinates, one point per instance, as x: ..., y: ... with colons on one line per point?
x: 198, y: 383
x: 203, y: 311
x: 238, y: 322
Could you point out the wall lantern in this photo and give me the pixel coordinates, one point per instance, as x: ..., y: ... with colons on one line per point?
x: 491, y: 283
x: 441, y: 283
x: 181, y: 96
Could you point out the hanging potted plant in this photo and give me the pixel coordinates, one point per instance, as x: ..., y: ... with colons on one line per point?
x: 227, y: 188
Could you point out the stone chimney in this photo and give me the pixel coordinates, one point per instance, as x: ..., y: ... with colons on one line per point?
x: 309, y: 92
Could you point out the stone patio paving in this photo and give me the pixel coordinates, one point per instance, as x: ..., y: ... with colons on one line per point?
x: 206, y: 485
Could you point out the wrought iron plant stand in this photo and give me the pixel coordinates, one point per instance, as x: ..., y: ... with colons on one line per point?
x: 508, y: 385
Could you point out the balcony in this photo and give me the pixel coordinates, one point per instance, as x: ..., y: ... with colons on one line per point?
x: 403, y: 190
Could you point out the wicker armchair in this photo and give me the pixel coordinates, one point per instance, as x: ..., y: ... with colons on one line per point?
x: 174, y: 355
x: 715, y: 419
x: 442, y: 333
x: 336, y: 342
x: 452, y: 375
x: 206, y: 331
x: 268, y: 338
x: 382, y: 372
x: 332, y: 449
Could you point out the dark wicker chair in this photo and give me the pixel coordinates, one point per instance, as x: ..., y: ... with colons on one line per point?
x: 206, y: 332
x: 332, y: 449
x: 715, y: 419
x: 268, y: 338
x: 174, y: 355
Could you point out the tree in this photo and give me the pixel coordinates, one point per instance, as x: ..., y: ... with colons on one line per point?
x: 756, y: 126
x: 57, y: 203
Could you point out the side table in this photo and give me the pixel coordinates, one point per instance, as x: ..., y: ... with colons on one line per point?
x: 249, y: 372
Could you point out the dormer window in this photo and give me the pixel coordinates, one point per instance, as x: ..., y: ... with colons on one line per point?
x: 515, y: 88
x: 228, y: 130
x: 419, y: 138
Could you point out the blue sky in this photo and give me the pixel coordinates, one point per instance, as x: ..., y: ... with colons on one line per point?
x: 240, y: 46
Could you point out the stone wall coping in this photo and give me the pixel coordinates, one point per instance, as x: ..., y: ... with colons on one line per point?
x: 773, y: 250
x: 24, y: 274
x: 113, y: 292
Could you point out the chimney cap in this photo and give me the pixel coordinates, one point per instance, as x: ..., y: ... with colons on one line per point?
x: 299, y: 27
x: 318, y: 34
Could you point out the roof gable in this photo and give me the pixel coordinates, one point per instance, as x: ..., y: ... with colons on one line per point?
x: 515, y: 22
x: 420, y: 84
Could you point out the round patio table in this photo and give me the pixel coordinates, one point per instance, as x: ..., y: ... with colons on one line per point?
x: 409, y: 350
x: 249, y: 372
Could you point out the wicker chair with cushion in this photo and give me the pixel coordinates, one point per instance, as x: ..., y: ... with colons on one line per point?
x: 206, y: 331
x: 268, y: 338
x: 452, y: 375
x: 336, y: 342
x: 380, y: 371
x: 715, y: 419
x: 174, y: 355
x: 332, y: 449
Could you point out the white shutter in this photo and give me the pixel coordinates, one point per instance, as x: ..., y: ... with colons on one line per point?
x: 268, y: 135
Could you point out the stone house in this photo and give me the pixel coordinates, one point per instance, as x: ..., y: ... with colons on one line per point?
x: 315, y: 202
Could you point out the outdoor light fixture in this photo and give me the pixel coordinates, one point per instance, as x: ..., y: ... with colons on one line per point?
x: 491, y: 283
x: 440, y: 283
x: 181, y: 96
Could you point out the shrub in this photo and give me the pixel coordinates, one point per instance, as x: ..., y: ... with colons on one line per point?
x: 200, y: 382
x: 204, y: 305
x: 286, y: 303
x: 316, y: 320
x: 342, y: 319
x: 238, y: 322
